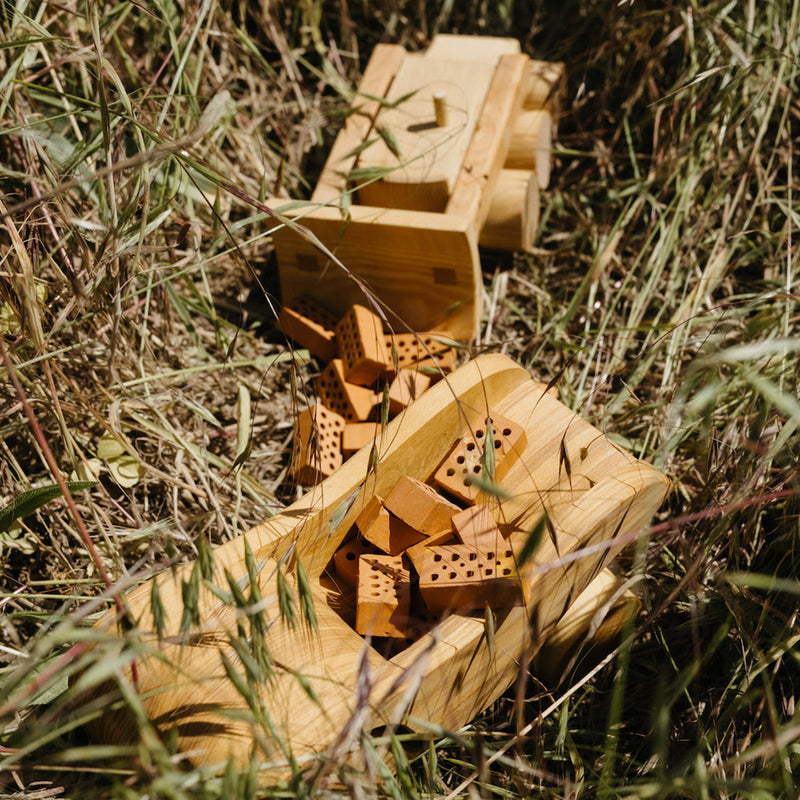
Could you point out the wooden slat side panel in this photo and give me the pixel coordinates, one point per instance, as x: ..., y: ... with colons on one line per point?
x: 425, y: 267
x: 462, y: 675
x: 474, y: 187
x: 472, y: 48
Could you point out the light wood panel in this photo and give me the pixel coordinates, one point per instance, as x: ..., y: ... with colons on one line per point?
x: 422, y: 174
x: 472, y: 194
x: 448, y: 46
x: 424, y: 267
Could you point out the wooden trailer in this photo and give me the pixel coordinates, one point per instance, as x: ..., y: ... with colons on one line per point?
x: 238, y: 680
x: 444, y: 151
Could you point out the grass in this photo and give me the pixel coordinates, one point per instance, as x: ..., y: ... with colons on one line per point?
x: 136, y: 312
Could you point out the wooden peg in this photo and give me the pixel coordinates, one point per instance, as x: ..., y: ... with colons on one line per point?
x: 440, y: 108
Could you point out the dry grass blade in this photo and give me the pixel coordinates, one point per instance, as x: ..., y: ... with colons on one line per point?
x: 137, y: 147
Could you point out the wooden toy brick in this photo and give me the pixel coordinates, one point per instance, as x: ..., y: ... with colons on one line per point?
x: 420, y: 506
x: 384, y: 596
x: 476, y: 527
x: 359, y: 337
x: 401, y: 536
x: 311, y: 326
x: 416, y: 552
x: 386, y: 531
x: 356, y: 435
x: 466, y: 458
x: 345, y: 559
x: 443, y: 364
x: 406, y: 387
x: 317, y: 444
x: 412, y: 348
x: 354, y: 403
x: 460, y: 578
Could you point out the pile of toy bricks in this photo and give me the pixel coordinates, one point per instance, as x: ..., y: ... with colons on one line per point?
x: 371, y: 375
x: 428, y: 550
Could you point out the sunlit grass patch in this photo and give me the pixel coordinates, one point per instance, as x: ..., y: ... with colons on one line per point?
x: 135, y: 310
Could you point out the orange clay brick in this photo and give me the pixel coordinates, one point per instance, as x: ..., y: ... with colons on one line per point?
x: 416, y: 552
x: 356, y: 435
x: 317, y: 444
x: 441, y: 367
x: 412, y: 348
x: 419, y: 506
x: 384, y: 530
x: 354, y: 403
x: 461, y: 578
x: 384, y: 596
x: 406, y: 387
x: 465, y: 460
x: 359, y: 338
x: 476, y: 527
x: 345, y: 560
x: 311, y: 326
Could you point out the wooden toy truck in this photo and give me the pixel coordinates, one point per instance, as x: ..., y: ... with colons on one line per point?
x: 445, y: 151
